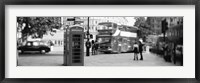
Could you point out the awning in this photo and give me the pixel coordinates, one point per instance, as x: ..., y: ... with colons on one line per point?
x: 117, y: 32
x: 127, y: 34
x: 103, y: 35
x: 179, y: 26
x: 124, y: 33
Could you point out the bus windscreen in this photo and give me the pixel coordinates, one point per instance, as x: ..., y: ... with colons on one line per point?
x: 104, y: 39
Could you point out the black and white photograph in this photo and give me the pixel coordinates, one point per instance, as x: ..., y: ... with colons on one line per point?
x: 99, y: 41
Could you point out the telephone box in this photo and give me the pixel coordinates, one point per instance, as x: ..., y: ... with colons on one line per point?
x: 74, y: 46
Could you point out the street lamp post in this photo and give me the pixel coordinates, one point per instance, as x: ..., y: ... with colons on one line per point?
x: 88, y: 30
x: 74, y: 20
x: 88, y: 44
x: 164, y: 28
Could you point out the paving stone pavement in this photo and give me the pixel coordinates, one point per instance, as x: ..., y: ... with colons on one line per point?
x: 55, y: 58
x: 126, y: 59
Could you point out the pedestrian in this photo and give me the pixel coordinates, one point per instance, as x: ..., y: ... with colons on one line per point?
x: 136, y: 51
x: 88, y: 46
x: 165, y: 49
x: 93, y: 47
x: 51, y: 45
x: 96, y: 45
x: 141, y: 50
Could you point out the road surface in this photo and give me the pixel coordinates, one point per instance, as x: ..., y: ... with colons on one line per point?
x: 123, y: 59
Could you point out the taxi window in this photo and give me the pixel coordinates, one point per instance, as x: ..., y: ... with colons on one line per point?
x: 35, y: 43
x: 41, y: 43
x: 28, y: 44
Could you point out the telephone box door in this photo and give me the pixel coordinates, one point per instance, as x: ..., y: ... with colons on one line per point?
x: 76, y: 47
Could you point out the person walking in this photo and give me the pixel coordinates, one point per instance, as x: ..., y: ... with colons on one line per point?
x: 165, y: 49
x: 51, y: 45
x: 96, y: 45
x: 136, y: 51
x: 88, y: 46
x: 93, y: 47
x: 141, y: 50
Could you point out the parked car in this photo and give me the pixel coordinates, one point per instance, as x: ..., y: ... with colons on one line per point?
x: 179, y: 54
x: 156, y: 49
x: 40, y: 46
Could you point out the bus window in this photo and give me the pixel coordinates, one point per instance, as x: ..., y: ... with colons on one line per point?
x: 120, y: 39
x: 105, y: 39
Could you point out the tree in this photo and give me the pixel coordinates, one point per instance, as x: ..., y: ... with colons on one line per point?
x: 36, y: 27
x: 143, y: 26
x: 140, y: 21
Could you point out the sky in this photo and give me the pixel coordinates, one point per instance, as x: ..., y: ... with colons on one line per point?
x: 131, y: 21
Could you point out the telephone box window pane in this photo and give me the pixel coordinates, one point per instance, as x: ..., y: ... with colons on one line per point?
x: 76, y: 39
x: 77, y: 53
x: 76, y: 57
x: 76, y: 47
x: 76, y: 35
x: 76, y: 50
x: 76, y: 61
x: 76, y: 43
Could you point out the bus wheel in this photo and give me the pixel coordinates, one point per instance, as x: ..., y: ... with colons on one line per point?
x: 119, y: 52
x: 21, y: 51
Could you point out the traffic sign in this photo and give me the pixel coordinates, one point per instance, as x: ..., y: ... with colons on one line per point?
x: 78, y: 22
x: 70, y: 19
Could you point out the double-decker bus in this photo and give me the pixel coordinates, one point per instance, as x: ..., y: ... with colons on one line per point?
x: 115, y: 38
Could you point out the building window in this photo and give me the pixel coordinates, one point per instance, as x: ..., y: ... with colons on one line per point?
x: 58, y: 42
x: 92, y: 28
x: 55, y: 42
x: 96, y: 22
x: 61, y: 43
x: 171, y: 19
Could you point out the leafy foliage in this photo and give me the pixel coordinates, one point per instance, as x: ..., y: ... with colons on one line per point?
x: 37, y: 26
x: 144, y: 27
x: 140, y: 21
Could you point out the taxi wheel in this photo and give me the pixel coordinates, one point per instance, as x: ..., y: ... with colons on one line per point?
x: 42, y: 51
x: 21, y: 51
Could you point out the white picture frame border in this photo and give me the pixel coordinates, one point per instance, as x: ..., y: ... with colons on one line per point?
x: 186, y: 71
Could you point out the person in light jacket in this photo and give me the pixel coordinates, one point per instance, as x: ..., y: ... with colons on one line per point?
x: 135, y: 51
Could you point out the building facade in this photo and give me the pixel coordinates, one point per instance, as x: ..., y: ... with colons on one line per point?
x: 156, y: 25
x: 93, y: 23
